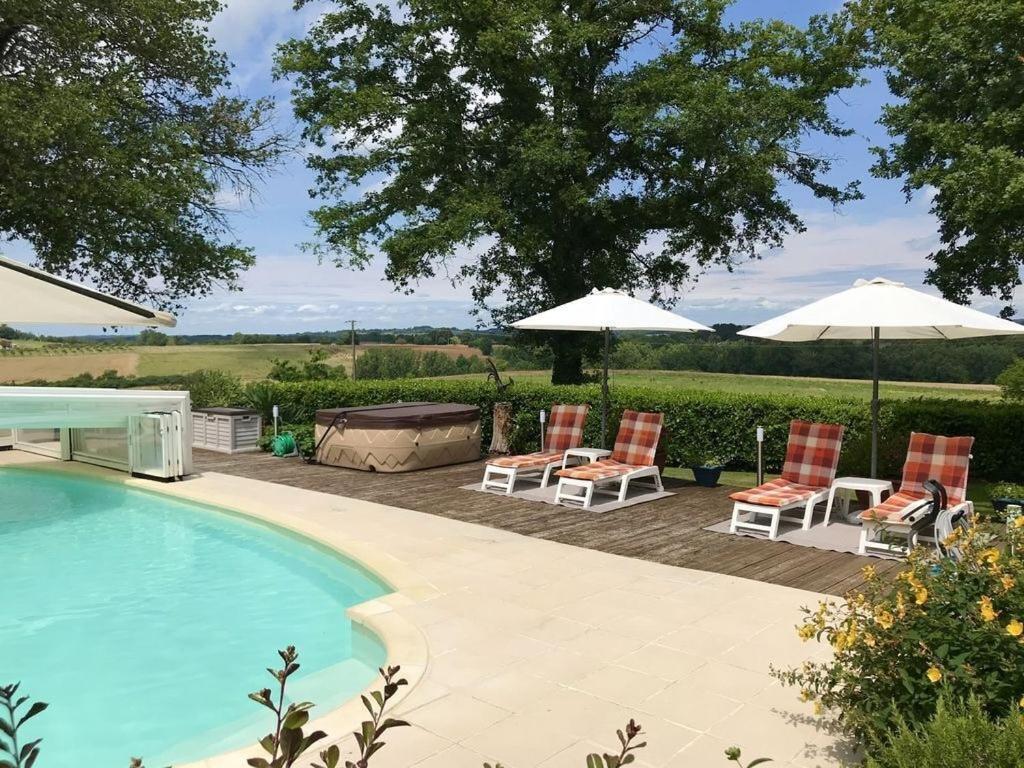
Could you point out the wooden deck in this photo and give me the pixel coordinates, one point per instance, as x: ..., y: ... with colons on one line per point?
x: 668, y: 531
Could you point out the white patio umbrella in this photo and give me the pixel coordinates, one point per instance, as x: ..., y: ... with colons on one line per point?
x: 29, y: 295
x: 607, y: 310
x: 881, y: 309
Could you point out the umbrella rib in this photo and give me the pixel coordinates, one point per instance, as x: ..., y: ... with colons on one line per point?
x: 824, y: 330
x: 936, y: 329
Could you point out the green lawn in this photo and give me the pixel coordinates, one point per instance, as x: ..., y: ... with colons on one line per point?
x: 742, y: 383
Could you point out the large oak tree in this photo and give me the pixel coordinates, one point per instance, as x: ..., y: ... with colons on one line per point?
x: 563, y: 145
x: 957, y: 68
x: 118, y: 132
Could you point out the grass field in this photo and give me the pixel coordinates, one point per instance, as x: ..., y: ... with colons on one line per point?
x: 249, y: 362
x: 741, y: 383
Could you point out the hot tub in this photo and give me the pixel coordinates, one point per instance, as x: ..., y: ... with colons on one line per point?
x: 398, y: 437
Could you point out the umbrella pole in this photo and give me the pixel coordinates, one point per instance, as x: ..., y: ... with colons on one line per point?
x: 604, y: 391
x: 874, y: 402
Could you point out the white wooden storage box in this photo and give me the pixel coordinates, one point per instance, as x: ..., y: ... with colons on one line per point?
x: 228, y: 430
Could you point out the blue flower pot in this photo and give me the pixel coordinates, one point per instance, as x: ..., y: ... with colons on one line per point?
x: 706, y: 476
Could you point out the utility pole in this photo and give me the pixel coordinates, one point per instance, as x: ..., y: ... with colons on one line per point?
x: 352, y: 339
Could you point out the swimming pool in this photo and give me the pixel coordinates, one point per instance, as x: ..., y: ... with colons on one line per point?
x: 144, y: 621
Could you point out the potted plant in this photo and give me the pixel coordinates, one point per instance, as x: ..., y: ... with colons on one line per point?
x: 1004, y: 494
x: 706, y: 467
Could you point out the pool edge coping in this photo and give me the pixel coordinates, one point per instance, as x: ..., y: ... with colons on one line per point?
x: 403, y: 641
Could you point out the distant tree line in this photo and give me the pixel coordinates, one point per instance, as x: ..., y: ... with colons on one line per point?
x: 967, y: 362
x: 405, y: 363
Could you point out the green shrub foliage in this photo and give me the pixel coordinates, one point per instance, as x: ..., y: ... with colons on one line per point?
x: 957, y: 737
x: 1011, y: 382
x: 716, y: 423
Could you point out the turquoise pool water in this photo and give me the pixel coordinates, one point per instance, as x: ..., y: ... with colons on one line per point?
x: 145, y: 621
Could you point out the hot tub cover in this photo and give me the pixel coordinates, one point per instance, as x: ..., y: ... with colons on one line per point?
x: 399, y: 415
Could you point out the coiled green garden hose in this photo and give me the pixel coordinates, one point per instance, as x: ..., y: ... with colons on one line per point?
x: 284, y: 445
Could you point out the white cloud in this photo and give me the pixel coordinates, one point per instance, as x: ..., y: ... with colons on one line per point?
x: 833, y: 252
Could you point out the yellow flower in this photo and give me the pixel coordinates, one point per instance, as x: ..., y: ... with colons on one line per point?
x: 934, y: 674
x: 818, y: 709
x: 1008, y: 582
x: 988, y: 613
x: 1021, y: 702
x: 1018, y: 522
x: 920, y: 595
x: 805, y: 695
x: 806, y: 632
x: 901, y: 606
x: 868, y: 571
x: 883, y: 618
x: 869, y: 640
x: 1015, y: 628
x: 990, y: 556
x: 952, y: 538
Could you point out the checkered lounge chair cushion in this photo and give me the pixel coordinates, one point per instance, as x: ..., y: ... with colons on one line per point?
x: 812, y: 453
x: 597, y: 470
x: 537, y: 460
x: 565, y: 427
x: 894, y: 507
x: 637, y: 441
x: 775, y: 493
x: 929, y: 457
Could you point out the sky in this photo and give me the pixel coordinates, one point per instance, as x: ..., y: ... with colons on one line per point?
x: 288, y: 290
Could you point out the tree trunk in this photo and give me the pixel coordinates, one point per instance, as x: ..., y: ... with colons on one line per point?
x: 502, y: 422
x: 568, y: 363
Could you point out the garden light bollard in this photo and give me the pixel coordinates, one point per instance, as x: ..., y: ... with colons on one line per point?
x: 277, y: 413
x: 543, y: 419
x: 1013, y: 511
x: 760, y: 464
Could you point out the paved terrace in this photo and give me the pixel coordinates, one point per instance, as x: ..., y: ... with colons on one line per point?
x: 668, y: 531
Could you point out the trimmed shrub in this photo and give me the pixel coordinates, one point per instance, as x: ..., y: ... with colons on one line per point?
x: 945, y: 627
x: 717, y: 423
x: 213, y: 388
x: 959, y: 736
x: 1011, y: 381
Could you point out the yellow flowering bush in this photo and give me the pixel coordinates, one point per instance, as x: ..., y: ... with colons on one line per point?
x: 944, y: 627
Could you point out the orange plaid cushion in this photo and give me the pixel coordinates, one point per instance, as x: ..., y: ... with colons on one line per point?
x: 537, y: 460
x: 637, y: 441
x: 597, y: 470
x: 812, y: 453
x: 775, y: 493
x: 933, y: 457
x: 565, y: 428
x: 894, y: 507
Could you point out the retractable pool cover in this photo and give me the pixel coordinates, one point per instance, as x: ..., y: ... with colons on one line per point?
x: 51, y: 407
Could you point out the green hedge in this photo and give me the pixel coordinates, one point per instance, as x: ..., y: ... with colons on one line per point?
x: 706, y: 422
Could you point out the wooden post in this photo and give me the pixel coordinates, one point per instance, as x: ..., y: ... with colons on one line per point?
x: 502, y: 422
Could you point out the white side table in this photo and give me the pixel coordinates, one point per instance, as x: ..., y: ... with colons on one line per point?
x: 874, y: 487
x: 590, y: 454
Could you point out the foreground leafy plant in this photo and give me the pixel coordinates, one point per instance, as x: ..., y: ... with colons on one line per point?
x: 945, y: 626
x: 733, y: 754
x: 25, y: 755
x: 287, y: 743
x: 368, y: 738
x: 625, y: 756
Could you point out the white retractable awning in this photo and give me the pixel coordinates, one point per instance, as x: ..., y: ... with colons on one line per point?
x: 29, y: 295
